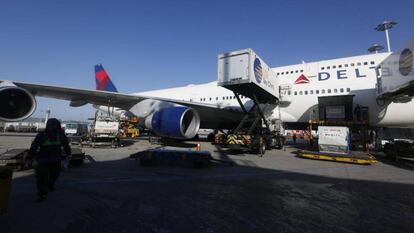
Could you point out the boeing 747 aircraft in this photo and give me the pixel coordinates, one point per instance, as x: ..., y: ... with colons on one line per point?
x: 180, y: 112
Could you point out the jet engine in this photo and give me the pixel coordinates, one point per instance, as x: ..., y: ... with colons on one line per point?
x: 15, y: 103
x: 174, y: 122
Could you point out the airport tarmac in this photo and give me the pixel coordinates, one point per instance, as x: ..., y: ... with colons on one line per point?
x: 243, y: 193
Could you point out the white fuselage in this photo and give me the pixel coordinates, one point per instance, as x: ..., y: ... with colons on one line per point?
x: 344, y: 76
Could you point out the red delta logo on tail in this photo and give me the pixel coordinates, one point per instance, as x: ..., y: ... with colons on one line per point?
x: 302, y: 80
x: 103, y: 82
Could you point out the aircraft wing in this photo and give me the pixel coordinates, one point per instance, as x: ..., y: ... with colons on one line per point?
x: 79, y: 97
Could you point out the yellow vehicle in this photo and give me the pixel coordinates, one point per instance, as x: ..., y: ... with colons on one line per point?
x: 132, y: 131
x: 129, y: 129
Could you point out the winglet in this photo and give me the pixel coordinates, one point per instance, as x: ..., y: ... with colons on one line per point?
x: 103, y: 82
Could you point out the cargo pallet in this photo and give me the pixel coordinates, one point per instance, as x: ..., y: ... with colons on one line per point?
x: 172, y: 157
x: 355, y: 157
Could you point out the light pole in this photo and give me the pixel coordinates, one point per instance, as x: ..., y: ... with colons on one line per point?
x: 384, y: 27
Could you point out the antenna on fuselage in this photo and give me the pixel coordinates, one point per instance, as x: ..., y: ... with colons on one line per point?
x: 383, y: 27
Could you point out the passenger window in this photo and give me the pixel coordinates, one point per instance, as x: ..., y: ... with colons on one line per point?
x: 283, y: 72
x: 311, y: 92
x: 346, y: 65
x: 365, y: 63
x: 333, y: 67
x: 372, y: 63
x: 335, y: 90
x: 291, y: 72
x: 301, y: 71
x: 352, y: 64
x: 328, y: 67
x: 216, y: 98
x: 289, y: 93
x: 306, y: 92
x: 223, y: 98
x: 359, y: 63
x: 341, y: 90
x: 323, y: 91
x: 322, y: 68
x: 300, y: 92
x: 348, y: 89
x: 296, y: 93
x: 210, y: 98
x: 329, y: 91
x: 296, y: 71
x: 278, y: 73
x: 317, y: 92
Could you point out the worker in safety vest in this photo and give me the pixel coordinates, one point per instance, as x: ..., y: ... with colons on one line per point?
x: 46, y: 149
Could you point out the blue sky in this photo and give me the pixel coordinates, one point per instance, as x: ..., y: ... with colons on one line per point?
x: 146, y: 45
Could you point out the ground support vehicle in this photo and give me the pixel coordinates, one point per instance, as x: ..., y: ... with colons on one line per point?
x: 129, y: 128
x: 399, y: 150
x: 18, y: 158
x: 104, y: 132
x: 253, y: 133
x: 245, y: 74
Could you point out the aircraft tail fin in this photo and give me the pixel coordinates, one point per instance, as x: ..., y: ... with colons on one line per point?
x: 103, y: 81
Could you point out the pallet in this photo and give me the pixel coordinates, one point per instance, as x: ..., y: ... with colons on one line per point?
x: 352, y: 157
x: 172, y: 157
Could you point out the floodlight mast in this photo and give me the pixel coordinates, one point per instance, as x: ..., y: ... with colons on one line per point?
x: 384, y: 27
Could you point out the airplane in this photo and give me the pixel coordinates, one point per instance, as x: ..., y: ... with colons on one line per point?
x: 180, y: 112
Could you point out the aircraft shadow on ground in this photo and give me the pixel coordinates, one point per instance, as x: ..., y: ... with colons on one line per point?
x: 227, y: 198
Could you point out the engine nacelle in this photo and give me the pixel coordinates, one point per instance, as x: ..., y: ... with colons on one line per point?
x: 174, y: 122
x: 16, y: 103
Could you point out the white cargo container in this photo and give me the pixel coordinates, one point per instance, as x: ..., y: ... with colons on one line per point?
x: 76, y: 129
x: 333, y: 139
x: 396, y: 76
x: 244, y: 72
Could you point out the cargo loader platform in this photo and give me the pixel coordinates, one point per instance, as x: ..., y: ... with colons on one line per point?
x: 245, y: 73
x: 355, y: 157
